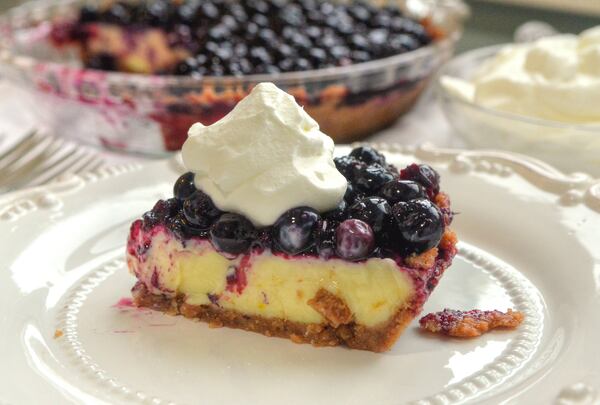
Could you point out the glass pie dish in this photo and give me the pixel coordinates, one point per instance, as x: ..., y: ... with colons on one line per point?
x: 150, y: 114
x: 569, y: 147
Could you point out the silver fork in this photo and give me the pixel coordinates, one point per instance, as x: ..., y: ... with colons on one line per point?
x: 38, y: 159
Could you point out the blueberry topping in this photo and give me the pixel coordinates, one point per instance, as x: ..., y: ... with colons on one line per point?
x: 354, y: 240
x: 352, y: 194
x: 294, y: 231
x: 371, y: 178
x: 232, y: 233
x: 319, y: 34
x: 184, y: 186
x: 200, y: 211
x: 164, y: 209
x: 425, y: 176
x: 402, y: 190
x: 338, y: 213
x: 373, y: 210
x: 346, y: 165
x: 419, y: 225
x: 368, y: 155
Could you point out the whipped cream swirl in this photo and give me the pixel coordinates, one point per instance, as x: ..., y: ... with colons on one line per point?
x: 264, y: 157
x: 555, y: 78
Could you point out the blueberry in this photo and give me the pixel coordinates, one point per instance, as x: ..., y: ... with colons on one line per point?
x: 402, y: 43
x: 232, y: 233
x: 373, y: 210
x: 182, y: 229
x: 318, y: 56
x: 88, y: 13
x: 352, y: 194
x: 118, y: 13
x: 346, y: 165
x: 425, y: 175
x: 354, y: 240
x: 368, y: 155
x: 200, y: 211
x: 294, y: 231
x: 184, y: 186
x: 259, y: 55
x: 419, y: 225
x: 209, y: 10
x: 162, y: 212
x: 371, y: 178
x: 167, y: 208
x: 360, y: 56
x: 338, y: 213
x: 402, y: 190
x: 186, y: 67
x: 102, y: 61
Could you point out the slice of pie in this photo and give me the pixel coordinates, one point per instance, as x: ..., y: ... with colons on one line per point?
x: 268, y: 233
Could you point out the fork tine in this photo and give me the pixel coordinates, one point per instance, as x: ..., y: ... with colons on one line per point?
x: 24, y: 165
x: 95, y: 163
x: 19, y: 151
x: 17, y: 145
x: 58, y: 167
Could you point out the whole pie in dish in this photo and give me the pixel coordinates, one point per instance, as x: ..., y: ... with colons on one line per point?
x: 269, y: 233
x: 214, y: 39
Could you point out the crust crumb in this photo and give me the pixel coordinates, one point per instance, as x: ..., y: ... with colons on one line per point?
x: 468, y: 324
x: 449, y: 239
x: 442, y: 200
x: 58, y: 333
x: 333, y: 308
x: 423, y: 261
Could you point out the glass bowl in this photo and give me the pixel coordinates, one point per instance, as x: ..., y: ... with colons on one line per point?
x: 569, y: 147
x: 151, y: 114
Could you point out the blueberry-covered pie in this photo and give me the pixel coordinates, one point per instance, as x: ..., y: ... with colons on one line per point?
x: 267, y: 232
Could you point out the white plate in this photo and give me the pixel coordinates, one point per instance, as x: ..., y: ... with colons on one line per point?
x: 530, y: 239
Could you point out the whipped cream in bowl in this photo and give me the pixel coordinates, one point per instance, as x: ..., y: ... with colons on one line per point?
x: 538, y: 98
x: 263, y: 158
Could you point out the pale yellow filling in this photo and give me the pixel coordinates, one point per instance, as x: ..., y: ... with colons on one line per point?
x: 276, y: 287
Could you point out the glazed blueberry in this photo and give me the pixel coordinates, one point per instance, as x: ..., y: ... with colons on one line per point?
x: 338, y: 213
x: 184, y: 186
x: 294, y: 231
x: 354, y: 240
x: 346, y: 165
x: 166, y: 208
x: 88, y: 13
x: 352, y: 194
x: 368, y: 155
x: 182, y: 229
x: 425, y: 175
x: 373, y: 210
x: 371, y: 178
x: 419, y: 225
x: 102, y: 61
x: 232, y: 233
x: 118, y: 13
x: 186, y: 67
x: 200, y: 211
x: 402, y: 190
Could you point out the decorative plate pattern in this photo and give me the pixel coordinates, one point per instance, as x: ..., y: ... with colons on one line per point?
x: 543, y: 346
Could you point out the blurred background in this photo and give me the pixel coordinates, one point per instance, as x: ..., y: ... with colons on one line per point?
x: 143, y: 114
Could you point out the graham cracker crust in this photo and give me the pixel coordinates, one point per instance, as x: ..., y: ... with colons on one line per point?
x: 332, y: 333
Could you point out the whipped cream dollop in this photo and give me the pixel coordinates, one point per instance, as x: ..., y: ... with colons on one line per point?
x: 264, y: 157
x: 555, y: 78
